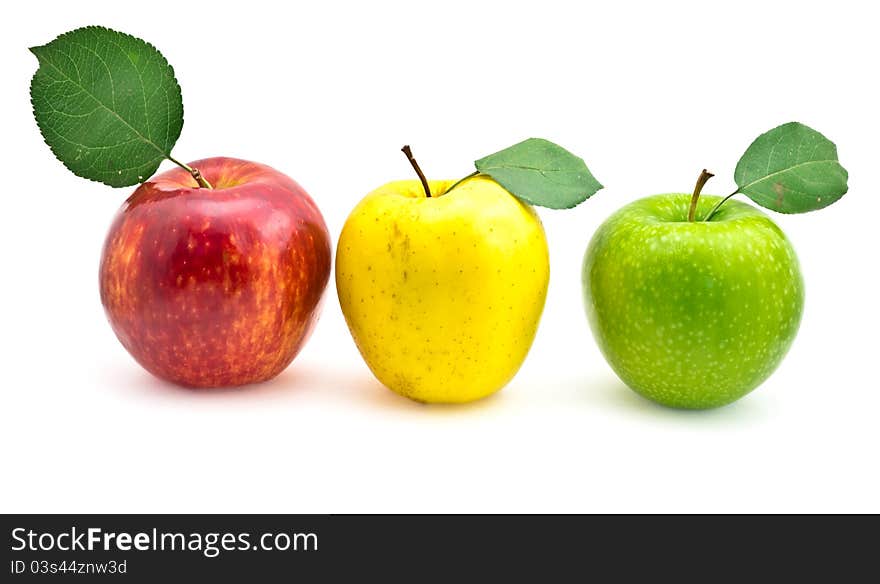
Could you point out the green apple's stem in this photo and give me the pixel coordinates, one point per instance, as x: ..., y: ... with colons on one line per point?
x: 406, y: 150
x: 701, y: 182
x: 203, y: 182
x: 721, y: 202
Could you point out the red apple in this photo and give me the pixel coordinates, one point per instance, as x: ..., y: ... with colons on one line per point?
x: 216, y: 287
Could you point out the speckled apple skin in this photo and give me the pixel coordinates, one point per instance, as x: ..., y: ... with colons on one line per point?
x: 692, y: 315
x: 443, y: 295
x: 215, y: 288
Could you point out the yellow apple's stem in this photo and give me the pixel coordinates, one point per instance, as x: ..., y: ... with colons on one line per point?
x: 701, y: 181
x: 202, y: 181
x: 406, y: 150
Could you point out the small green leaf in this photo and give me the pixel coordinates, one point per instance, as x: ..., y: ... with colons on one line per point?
x: 791, y: 169
x: 541, y: 173
x: 107, y: 104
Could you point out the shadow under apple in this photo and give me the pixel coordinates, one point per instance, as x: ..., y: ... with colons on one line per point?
x: 135, y: 380
x: 611, y: 392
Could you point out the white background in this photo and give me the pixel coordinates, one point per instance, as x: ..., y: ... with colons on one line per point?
x: 647, y: 93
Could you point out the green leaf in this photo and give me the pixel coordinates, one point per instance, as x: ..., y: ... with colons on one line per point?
x: 791, y: 169
x: 107, y: 104
x: 541, y: 173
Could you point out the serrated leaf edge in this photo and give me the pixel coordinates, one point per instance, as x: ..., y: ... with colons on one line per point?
x: 526, y: 199
x: 150, y: 165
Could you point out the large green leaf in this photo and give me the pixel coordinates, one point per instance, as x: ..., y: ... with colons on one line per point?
x: 791, y: 169
x: 541, y: 173
x: 107, y: 104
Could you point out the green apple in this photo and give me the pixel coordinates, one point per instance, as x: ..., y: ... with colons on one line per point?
x: 692, y: 314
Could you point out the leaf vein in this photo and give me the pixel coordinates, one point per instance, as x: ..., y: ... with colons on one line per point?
x: 109, y: 110
x: 785, y: 170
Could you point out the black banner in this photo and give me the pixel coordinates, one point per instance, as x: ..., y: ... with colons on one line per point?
x: 263, y: 548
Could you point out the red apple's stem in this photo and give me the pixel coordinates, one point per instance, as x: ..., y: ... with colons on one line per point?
x: 406, y: 150
x: 202, y: 181
x: 701, y: 181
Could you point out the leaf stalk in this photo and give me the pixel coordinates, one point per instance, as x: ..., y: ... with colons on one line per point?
x: 462, y: 179
x: 718, y: 205
x: 202, y: 181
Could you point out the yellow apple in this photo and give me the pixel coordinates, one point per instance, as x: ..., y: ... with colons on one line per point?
x: 443, y: 294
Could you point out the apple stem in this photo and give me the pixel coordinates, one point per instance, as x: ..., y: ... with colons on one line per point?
x: 202, y: 181
x: 701, y: 181
x: 721, y: 202
x: 406, y: 150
